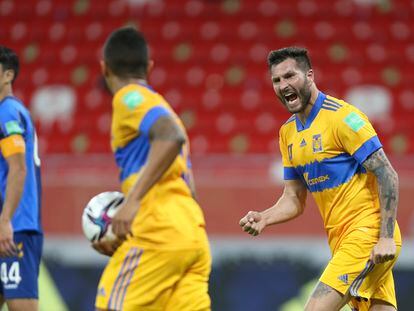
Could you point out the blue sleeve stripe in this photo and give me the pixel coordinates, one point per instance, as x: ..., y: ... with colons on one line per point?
x: 149, y: 119
x: 367, y: 148
x: 290, y: 173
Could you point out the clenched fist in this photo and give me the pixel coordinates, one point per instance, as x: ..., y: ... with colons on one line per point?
x: 253, y: 223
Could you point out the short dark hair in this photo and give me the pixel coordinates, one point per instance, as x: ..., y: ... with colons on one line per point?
x: 126, y: 53
x: 9, y: 60
x: 297, y: 53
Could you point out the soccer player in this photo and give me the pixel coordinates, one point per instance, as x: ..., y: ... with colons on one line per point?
x: 330, y: 149
x: 21, y: 236
x: 164, y: 262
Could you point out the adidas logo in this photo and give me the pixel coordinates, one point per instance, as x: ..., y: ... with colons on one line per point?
x: 303, y: 143
x: 101, y: 292
x: 343, y: 278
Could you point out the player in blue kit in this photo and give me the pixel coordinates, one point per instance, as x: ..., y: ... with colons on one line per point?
x: 21, y: 236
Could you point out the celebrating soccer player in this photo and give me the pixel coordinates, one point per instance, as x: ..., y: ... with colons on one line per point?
x: 330, y: 148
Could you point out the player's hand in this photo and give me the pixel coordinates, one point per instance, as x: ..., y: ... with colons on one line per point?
x: 107, y: 247
x: 383, y: 251
x: 253, y: 223
x: 7, y: 246
x: 122, y: 221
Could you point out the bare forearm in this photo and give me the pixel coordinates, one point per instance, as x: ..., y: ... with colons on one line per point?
x: 160, y: 159
x: 286, y: 208
x: 167, y: 138
x: 388, y: 195
x: 387, y: 180
x: 14, y: 190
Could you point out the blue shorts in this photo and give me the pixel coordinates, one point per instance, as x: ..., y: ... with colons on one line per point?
x: 19, y: 274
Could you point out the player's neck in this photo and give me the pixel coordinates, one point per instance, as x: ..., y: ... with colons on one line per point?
x: 120, y: 83
x: 6, y: 91
x: 305, y: 113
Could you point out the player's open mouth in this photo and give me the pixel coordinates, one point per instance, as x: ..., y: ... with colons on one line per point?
x: 290, y: 97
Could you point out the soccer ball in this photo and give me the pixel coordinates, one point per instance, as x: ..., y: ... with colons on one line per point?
x: 98, y: 213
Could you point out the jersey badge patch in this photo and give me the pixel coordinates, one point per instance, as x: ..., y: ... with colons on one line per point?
x: 354, y: 121
x: 13, y: 127
x: 133, y: 99
x: 317, y: 143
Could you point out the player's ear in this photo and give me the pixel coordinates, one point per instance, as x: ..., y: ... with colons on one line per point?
x: 9, y: 74
x: 150, y: 66
x: 310, y: 75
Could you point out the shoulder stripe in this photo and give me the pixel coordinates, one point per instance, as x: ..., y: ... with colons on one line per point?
x: 331, y: 101
x: 329, y: 108
x: 333, y: 104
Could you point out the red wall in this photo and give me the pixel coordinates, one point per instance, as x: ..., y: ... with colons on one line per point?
x: 227, y: 189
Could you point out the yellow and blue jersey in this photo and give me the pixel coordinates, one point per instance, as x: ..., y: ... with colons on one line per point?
x: 327, y: 153
x: 15, y: 120
x: 168, y: 214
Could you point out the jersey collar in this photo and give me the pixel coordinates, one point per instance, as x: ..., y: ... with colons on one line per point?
x: 312, y: 115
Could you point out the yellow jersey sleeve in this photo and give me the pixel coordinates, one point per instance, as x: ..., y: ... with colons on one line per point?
x: 134, y: 112
x: 356, y: 134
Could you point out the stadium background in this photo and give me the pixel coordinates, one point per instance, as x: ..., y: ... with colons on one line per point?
x: 210, y: 63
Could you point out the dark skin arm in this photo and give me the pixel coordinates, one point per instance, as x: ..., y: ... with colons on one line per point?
x: 387, y: 180
x: 166, y: 139
x: 14, y: 189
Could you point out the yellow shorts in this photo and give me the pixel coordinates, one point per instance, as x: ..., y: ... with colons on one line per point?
x: 350, y: 270
x: 155, y: 280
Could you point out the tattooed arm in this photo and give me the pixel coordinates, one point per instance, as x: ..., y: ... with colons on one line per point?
x: 387, y: 180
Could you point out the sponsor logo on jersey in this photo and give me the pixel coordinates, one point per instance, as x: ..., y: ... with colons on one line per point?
x: 303, y: 143
x: 133, y: 99
x: 316, y: 180
x: 354, y: 121
x: 317, y: 143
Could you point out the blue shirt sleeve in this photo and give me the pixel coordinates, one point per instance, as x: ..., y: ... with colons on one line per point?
x: 151, y: 117
x: 367, y: 148
x: 289, y: 173
x: 10, y: 121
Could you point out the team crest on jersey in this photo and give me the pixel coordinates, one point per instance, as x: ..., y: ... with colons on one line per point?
x: 290, y: 151
x: 133, y: 99
x: 317, y: 143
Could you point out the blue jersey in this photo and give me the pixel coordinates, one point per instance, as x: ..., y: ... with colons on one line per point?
x: 16, y: 120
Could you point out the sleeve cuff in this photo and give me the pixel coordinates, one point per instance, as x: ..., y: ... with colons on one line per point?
x: 290, y: 173
x: 367, y: 148
x: 152, y: 115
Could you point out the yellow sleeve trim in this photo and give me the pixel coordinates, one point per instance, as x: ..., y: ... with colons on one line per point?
x: 11, y: 145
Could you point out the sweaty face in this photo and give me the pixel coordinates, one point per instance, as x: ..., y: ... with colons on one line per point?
x: 291, y: 85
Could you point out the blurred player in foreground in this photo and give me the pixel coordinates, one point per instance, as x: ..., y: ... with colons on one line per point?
x: 164, y: 262
x: 21, y: 237
x: 330, y: 148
